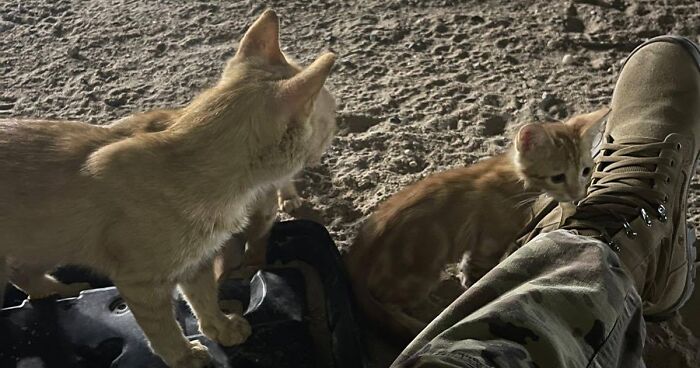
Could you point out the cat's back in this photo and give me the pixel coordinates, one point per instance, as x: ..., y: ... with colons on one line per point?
x: 41, y: 160
x: 449, y: 202
x: 29, y: 145
x: 145, y: 122
x: 441, y: 191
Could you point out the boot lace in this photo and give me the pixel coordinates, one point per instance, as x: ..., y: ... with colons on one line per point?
x: 623, y: 187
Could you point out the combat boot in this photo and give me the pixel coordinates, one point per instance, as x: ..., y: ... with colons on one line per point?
x: 637, y: 199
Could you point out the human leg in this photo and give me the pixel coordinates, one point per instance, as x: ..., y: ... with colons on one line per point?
x: 626, y: 239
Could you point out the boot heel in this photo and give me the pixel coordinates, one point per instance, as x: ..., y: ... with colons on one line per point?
x: 692, y: 244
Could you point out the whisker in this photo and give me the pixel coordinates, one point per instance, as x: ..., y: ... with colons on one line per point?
x: 525, y: 195
x: 525, y: 202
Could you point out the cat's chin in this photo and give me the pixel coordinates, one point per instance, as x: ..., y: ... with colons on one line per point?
x: 567, y: 205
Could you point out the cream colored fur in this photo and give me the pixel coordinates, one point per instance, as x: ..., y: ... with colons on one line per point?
x: 150, y: 210
x: 281, y: 197
x: 263, y: 211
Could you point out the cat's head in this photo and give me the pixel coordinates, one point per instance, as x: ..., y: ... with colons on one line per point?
x: 556, y: 157
x: 275, y: 87
x: 323, y: 123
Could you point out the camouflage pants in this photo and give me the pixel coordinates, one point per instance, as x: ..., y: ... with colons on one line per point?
x: 562, y: 300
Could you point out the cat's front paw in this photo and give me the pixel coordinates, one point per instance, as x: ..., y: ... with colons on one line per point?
x: 230, y: 330
x: 290, y: 204
x: 196, y: 357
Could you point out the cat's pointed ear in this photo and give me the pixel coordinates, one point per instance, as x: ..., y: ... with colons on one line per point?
x: 297, y: 93
x: 586, y: 125
x: 262, y: 40
x: 529, y: 136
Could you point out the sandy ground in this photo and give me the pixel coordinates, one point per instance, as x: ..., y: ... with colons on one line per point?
x: 422, y: 85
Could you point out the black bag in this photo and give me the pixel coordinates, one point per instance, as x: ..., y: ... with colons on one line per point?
x: 299, y: 307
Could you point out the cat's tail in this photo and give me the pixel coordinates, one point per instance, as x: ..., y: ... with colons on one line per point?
x: 387, y: 319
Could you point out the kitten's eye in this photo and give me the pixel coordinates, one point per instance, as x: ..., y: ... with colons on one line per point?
x: 586, y: 171
x: 556, y: 179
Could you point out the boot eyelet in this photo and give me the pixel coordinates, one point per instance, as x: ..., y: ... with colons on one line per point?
x: 629, y: 231
x: 661, y: 210
x: 610, y: 241
x: 665, y: 199
x: 614, y: 245
x: 667, y: 180
x: 672, y: 163
x: 678, y: 146
x: 645, y: 217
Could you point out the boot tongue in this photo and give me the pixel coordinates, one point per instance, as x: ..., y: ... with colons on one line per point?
x: 648, y: 129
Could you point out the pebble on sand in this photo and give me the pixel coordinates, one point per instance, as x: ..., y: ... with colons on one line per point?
x: 74, y: 53
x: 567, y: 59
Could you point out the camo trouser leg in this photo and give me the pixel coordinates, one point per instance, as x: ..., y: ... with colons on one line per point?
x: 560, y: 301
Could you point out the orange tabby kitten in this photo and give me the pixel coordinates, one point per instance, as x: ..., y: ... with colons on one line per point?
x: 151, y: 210
x: 473, y: 212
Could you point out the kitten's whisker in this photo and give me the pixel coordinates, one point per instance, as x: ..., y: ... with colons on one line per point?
x: 523, y: 196
x: 526, y: 202
x: 519, y: 195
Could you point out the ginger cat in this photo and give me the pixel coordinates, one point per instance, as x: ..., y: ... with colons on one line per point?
x: 282, y: 196
x: 472, y: 212
x: 322, y: 121
x: 151, y: 210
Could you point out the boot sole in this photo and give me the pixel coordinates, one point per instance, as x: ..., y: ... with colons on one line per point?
x: 691, y: 250
x: 691, y: 242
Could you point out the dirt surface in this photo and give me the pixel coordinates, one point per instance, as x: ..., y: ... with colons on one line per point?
x: 422, y: 85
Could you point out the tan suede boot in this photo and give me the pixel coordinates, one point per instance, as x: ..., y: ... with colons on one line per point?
x: 637, y: 199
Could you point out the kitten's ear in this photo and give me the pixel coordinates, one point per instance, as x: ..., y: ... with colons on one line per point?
x: 586, y: 125
x: 529, y: 136
x: 298, y: 93
x: 262, y: 40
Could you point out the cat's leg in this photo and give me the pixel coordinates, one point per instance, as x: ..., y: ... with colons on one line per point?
x: 475, y: 264
x: 229, y: 261
x: 201, y: 291
x: 288, y: 197
x: 463, y: 269
x: 257, y: 232
x: 152, y: 306
x: 253, y: 240
x: 38, y: 285
x: 408, y: 302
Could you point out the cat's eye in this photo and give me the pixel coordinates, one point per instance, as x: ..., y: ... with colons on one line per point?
x: 586, y: 171
x: 556, y: 179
